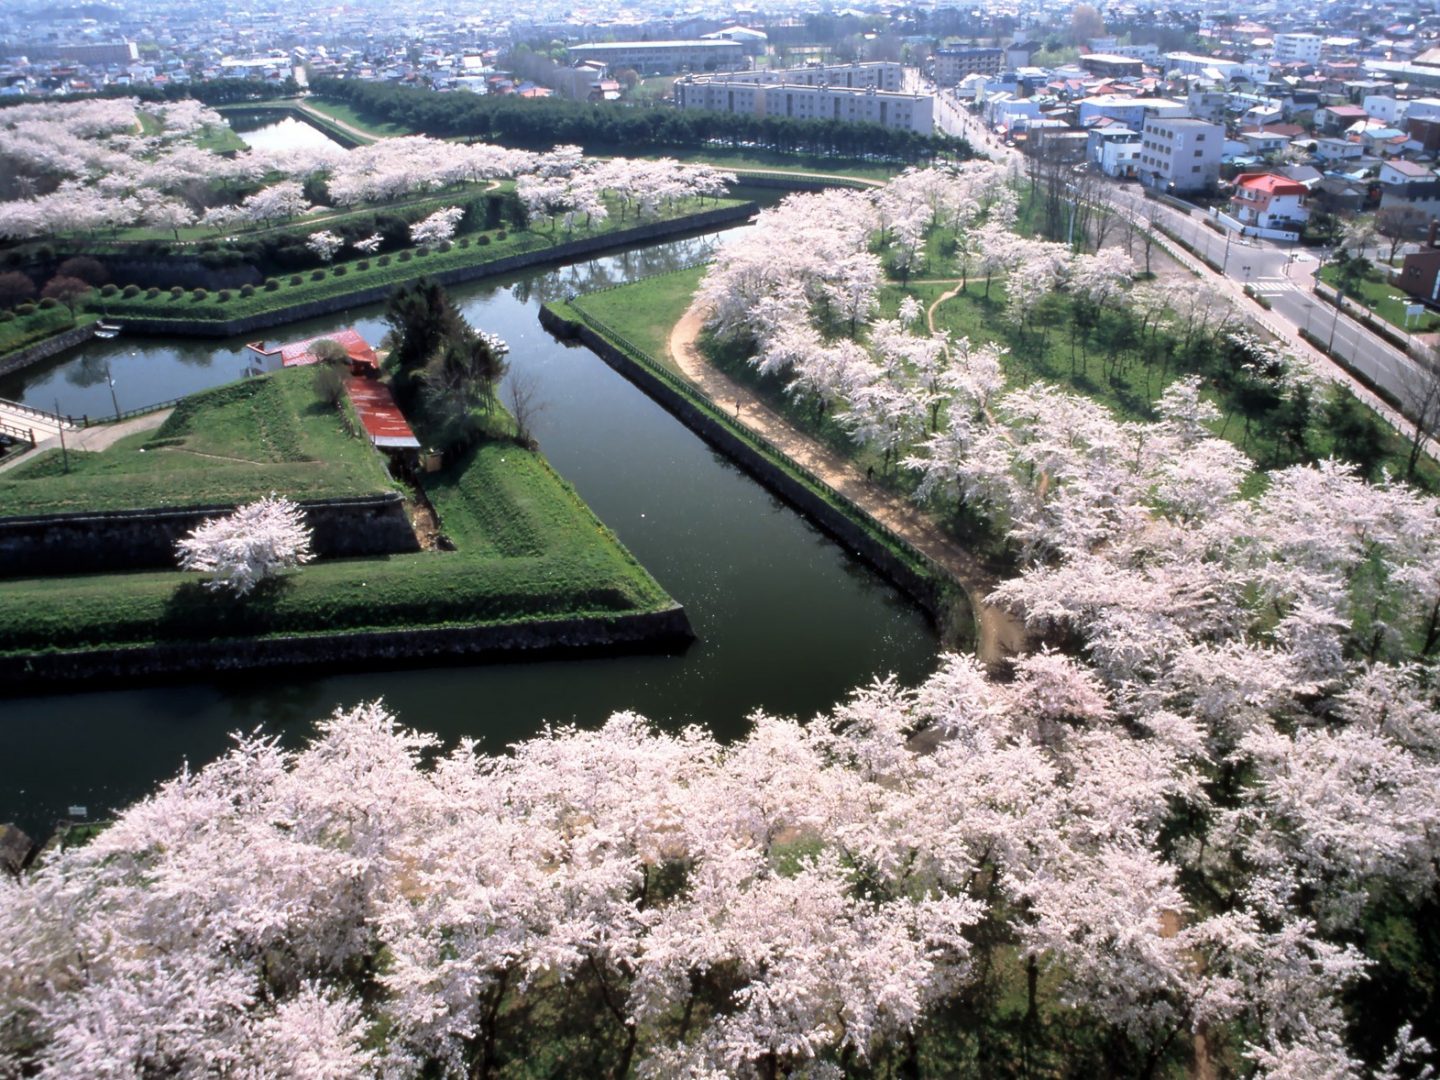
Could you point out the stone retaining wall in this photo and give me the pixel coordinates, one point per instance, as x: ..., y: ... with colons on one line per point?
x: 659, y: 631
x: 43, y: 350
x: 856, y: 538
x: 145, y: 539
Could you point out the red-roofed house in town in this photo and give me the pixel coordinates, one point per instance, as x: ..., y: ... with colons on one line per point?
x: 1269, y: 201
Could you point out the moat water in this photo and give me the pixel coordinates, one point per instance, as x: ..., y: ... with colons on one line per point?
x: 787, y: 621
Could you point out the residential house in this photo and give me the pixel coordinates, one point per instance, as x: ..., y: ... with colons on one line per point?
x: 1269, y: 201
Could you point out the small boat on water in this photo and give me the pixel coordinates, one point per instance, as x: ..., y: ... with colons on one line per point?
x: 106, y: 330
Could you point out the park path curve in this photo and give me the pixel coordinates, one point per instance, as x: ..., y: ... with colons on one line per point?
x: 1000, y: 633
x: 94, y: 438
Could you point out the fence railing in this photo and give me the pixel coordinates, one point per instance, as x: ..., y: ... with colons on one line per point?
x: 141, y: 411
x: 686, y: 388
x: 23, y: 434
x: 41, y: 414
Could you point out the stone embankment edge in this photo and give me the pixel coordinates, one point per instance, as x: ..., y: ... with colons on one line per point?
x: 859, y: 538
x: 43, y: 350
x: 103, y: 541
x: 574, y: 249
x: 664, y: 630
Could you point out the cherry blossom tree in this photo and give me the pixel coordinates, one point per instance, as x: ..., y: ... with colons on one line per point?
x: 436, y: 229
x: 324, y: 244
x: 256, y: 543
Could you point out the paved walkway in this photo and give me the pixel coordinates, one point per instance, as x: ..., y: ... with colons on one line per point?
x: 94, y: 438
x: 19, y: 417
x: 1000, y: 633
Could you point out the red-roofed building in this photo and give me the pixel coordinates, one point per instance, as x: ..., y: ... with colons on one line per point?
x: 363, y: 360
x: 382, y: 419
x: 1269, y: 201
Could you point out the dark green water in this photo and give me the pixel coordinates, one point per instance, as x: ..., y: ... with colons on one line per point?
x: 787, y: 621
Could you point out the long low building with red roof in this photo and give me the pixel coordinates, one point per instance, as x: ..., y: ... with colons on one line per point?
x: 379, y: 415
x: 381, y: 418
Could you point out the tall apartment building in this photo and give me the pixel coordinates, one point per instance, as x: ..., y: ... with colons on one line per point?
x: 881, y: 75
x: 954, y: 63
x: 1297, y: 48
x: 1180, y: 155
x: 908, y: 112
x: 98, y: 52
x: 665, y: 57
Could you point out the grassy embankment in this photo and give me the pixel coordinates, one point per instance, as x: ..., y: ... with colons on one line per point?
x: 228, y: 445
x: 22, y: 331
x: 526, y: 548
x: 353, y: 275
x: 637, y: 319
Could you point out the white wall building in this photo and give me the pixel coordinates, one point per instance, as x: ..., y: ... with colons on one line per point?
x: 1383, y: 107
x: 1130, y: 111
x: 1297, y: 48
x: 1180, y: 154
x: 665, y: 56
x: 910, y: 112
x: 881, y: 75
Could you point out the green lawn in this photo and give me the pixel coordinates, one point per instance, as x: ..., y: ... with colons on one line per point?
x: 348, y: 114
x: 1386, y: 301
x: 645, y: 312
x: 227, y: 445
x: 526, y: 547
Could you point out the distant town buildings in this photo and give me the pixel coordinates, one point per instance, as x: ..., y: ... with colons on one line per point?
x: 752, y: 96
x: 954, y: 63
x: 666, y: 57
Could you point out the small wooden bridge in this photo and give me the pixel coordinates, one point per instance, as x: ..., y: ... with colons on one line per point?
x: 33, y: 425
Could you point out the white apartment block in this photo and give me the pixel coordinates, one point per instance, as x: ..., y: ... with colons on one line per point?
x: 1180, y: 155
x: 910, y: 112
x: 1297, y: 48
x: 665, y: 56
x: 880, y: 75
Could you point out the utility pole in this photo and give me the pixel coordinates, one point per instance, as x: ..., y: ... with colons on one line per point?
x: 60, y: 426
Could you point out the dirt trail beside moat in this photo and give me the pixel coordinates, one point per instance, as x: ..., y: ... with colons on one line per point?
x: 1000, y: 633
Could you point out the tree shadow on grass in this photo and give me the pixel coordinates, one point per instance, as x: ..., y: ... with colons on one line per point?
x: 195, y: 612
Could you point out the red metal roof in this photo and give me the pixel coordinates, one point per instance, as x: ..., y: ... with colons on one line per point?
x: 297, y: 353
x: 1271, y: 184
x: 381, y: 417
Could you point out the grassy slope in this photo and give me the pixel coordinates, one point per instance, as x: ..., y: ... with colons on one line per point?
x: 226, y: 445
x: 644, y: 313
x: 25, y: 330
x: 527, y: 548
x: 347, y: 114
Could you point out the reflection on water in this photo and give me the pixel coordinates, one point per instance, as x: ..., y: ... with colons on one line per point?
x: 286, y: 134
x: 787, y: 622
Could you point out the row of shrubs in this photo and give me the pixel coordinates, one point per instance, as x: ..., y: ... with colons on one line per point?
x: 270, y: 284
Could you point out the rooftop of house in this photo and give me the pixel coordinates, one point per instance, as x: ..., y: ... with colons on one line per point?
x: 1270, y: 184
